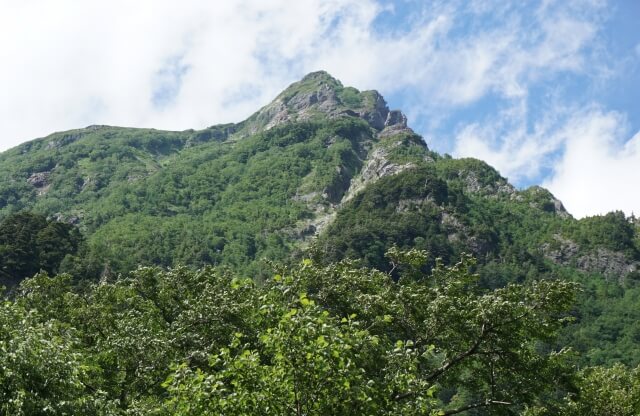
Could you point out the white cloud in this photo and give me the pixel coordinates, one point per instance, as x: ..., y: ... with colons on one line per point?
x: 597, y: 172
x: 593, y: 168
x: 505, y: 142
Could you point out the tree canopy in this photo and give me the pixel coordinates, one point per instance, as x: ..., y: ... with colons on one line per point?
x: 313, y: 340
x: 29, y: 243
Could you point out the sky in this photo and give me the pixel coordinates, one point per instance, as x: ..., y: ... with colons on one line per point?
x: 545, y: 91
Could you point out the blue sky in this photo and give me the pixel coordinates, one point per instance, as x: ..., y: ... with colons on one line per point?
x: 545, y: 91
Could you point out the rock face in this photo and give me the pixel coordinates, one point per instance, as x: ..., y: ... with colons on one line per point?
x: 377, y: 166
x: 323, y: 99
x: 39, y: 179
x: 319, y: 93
x: 396, y: 118
x: 609, y: 263
x: 377, y: 111
x: 563, y: 253
x: 218, y: 133
x: 72, y: 136
x: 473, y: 185
x: 71, y: 219
x: 545, y: 201
x: 396, y: 123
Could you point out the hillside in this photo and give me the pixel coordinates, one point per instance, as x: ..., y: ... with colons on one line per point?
x: 326, y: 170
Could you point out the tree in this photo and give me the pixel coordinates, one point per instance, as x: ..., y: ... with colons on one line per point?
x: 599, y: 391
x: 345, y: 340
x: 314, y: 340
x: 30, y: 243
x: 41, y: 371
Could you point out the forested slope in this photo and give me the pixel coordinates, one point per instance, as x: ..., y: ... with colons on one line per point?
x: 324, y: 172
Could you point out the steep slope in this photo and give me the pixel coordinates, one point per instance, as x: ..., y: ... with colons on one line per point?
x: 325, y: 167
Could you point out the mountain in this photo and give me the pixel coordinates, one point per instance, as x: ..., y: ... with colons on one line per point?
x: 328, y: 171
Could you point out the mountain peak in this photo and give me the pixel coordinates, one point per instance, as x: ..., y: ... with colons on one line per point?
x: 321, y: 77
x: 318, y: 94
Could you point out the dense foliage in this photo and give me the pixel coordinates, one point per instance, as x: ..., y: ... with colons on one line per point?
x: 30, y: 243
x: 313, y: 340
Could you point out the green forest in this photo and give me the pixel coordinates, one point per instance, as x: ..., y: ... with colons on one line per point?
x: 317, y: 258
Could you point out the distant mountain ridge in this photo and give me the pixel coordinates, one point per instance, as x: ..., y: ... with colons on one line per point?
x: 324, y: 170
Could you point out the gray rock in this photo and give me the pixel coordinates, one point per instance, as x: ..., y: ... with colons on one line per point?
x: 324, y: 99
x: 317, y: 93
x: 395, y: 118
x: 414, y: 204
x: 450, y: 221
x: 39, y: 179
x: 376, y: 167
x: 69, y: 219
x: 377, y: 115
x: 477, y: 245
x: 67, y: 138
x: 379, y: 166
x: 472, y: 184
x: 499, y: 188
x: 307, y: 198
x: 560, y: 209
x: 95, y: 127
x: 88, y: 183
x: 563, y: 251
x: 609, y: 263
x: 395, y: 123
x: 545, y: 201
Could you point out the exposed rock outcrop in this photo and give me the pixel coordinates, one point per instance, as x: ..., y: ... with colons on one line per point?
x: 416, y: 204
x: 319, y: 93
x: 609, y: 263
x: 72, y: 136
x: 40, y: 179
x: 396, y: 123
x: 218, y: 133
x: 563, y: 252
x: 375, y: 112
x: 472, y: 184
x: 377, y: 166
x: 544, y: 200
x: 72, y: 219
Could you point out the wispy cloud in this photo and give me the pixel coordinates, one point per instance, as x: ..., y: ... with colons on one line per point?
x: 506, y: 141
x: 168, y: 82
